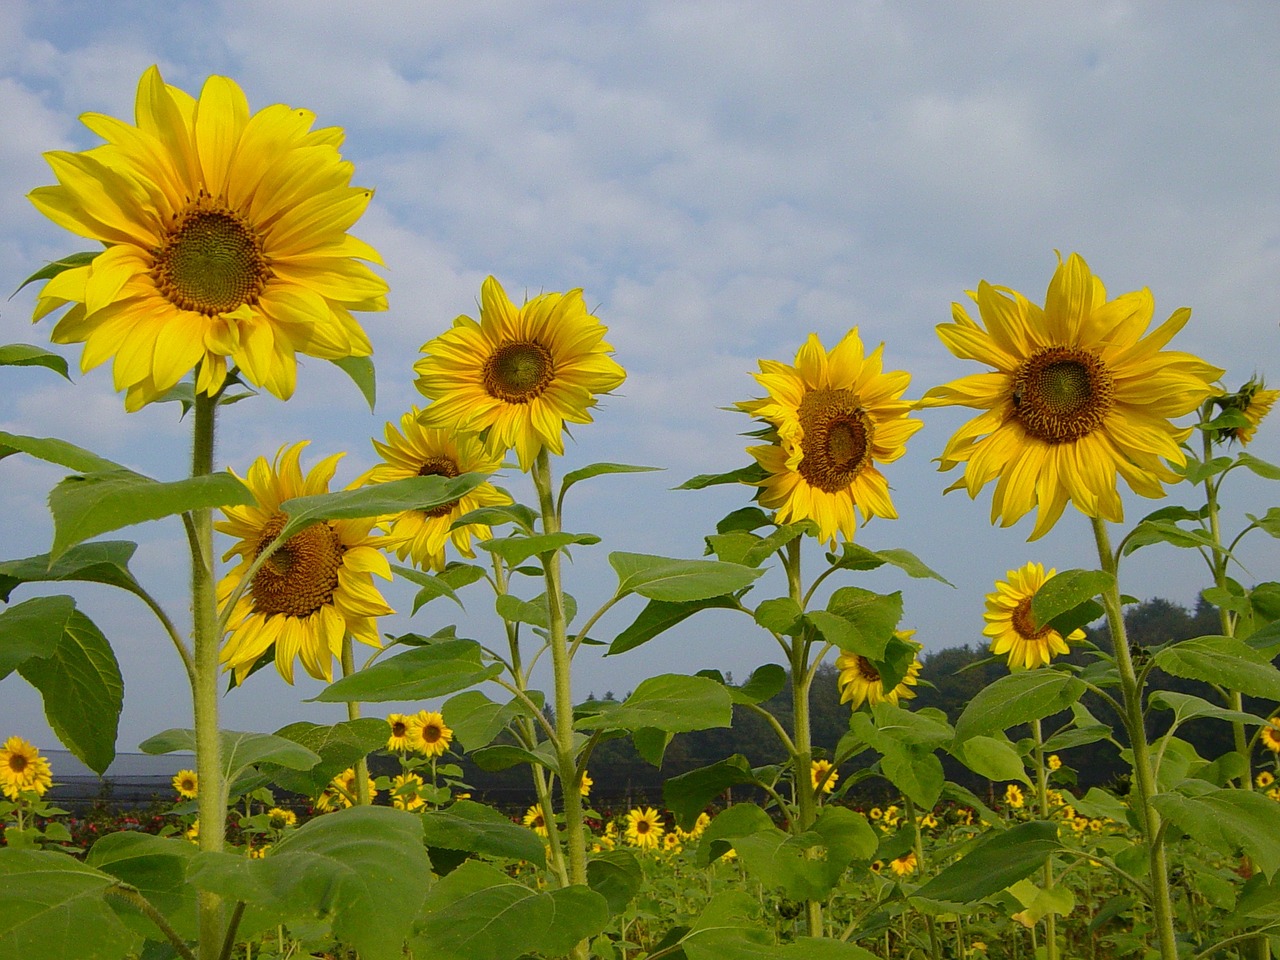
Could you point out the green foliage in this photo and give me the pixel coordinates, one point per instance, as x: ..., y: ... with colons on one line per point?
x: 661, y: 578
x: 26, y: 355
x: 336, y: 747
x: 417, y: 674
x: 54, y: 907
x: 995, y: 862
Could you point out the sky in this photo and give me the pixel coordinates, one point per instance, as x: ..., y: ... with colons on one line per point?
x: 721, y: 179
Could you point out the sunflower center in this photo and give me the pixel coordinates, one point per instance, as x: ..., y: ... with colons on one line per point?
x: 1025, y: 624
x: 211, y: 260
x: 439, y: 466
x: 867, y: 671
x: 837, y: 439
x: 398, y: 729
x: 17, y: 762
x: 1062, y: 394
x: 302, y: 575
x: 642, y: 826
x: 431, y: 733
x: 518, y: 372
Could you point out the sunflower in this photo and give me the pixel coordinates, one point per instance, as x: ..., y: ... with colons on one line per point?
x: 400, y: 740
x: 836, y: 415
x: 226, y: 237
x: 1053, y: 760
x: 1078, y: 396
x: 585, y: 784
x: 904, y: 865
x: 644, y: 828
x: 417, y: 451
x: 23, y: 770
x: 430, y: 735
x: 313, y: 590
x: 535, y: 821
x: 342, y: 788
x: 1253, y: 402
x: 671, y: 844
x: 1013, y: 796
x: 824, y: 775
x: 1264, y: 779
x: 405, y: 791
x: 187, y: 783
x: 279, y: 818
x: 1270, y: 735
x: 520, y: 374
x: 1011, y: 627
x: 859, y: 680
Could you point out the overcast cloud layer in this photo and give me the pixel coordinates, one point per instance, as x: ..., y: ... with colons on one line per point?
x: 721, y: 179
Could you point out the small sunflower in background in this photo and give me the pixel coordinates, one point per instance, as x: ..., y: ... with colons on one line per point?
x: 23, y: 769
x: 584, y: 786
x: 279, y: 818
x: 535, y: 821
x: 1014, y: 797
x: 1078, y: 395
x: 904, y: 865
x: 1253, y: 402
x: 520, y: 374
x: 644, y: 828
x: 836, y: 416
x: 823, y: 772
x: 316, y: 588
x: 226, y: 239
x: 1270, y: 735
x: 860, y: 682
x: 406, y: 792
x: 429, y: 734
x: 401, y: 737
x: 415, y: 450
x: 1012, y: 629
x: 187, y: 783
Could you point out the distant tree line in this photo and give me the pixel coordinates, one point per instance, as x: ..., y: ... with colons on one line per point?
x: 950, y: 678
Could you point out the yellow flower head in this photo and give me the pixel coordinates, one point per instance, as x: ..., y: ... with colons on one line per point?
x: 836, y: 415
x: 1054, y: 761
x: 1013, y: 796
x: 1253, y: 402
x: 520, y: 374
x: 414, y: 450
x: 280, y: 818
x: 23, y: 770
x: 860, y: 682
x: 535, y: 821
x: 823, y: 773
x: 314, y: 589
x: 671, y: 843
x: 430, y: 735
x: 400, y: 739
x: 644, y: 828
x: 1270, y: 735
x: 187, y: 784
x: 1077, y: 396
x: 584, y: 786
x: 343, y: 789
x: 226, y: 238
x: 904, y: 865
x: 405, y: 789
x: 1264, y: 780
x: 1012, y: 629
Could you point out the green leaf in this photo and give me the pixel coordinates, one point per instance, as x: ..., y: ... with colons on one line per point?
x: 105, y: 561
x: 514, y: 610
x: 87, y: 505
x: 362, y: 374
x: 476, y: 720
x: 53, y: 908
x: 1269, y: 522
x: 871, y: 617
x: 354, y: 866
x: 615, y: 875
x: 516, y: 550
x: 1161, y: 531
x: 991, y: 758
x: 688, y: 794
x: 1100, y: 805
x: 1227, y: 820
x: 157, y: 867
x: 999, y: 860
x: 1226, y: 661
x: 376, y: 500
x: 766, y: 682
x: 854, y: 556
x: 82, y: 690
x: 32, y: 629
x: 1066, y: 591
x: 57, y: 451
x: 1262, y: 468
x: 661, y: 615
x: 497, y: 515
x: 662, y: 578
x: 477, y: 912
x: 338, y: 747
x: 749, y: 474
x: 467, y: 825
x: 430, y: 586
x: 70, y: 261
x: 25, y: 355
x: 1018, y: 698
x: 503, y: 755
x: 596, y: 470
x: 239, y: 750
x: 1187, y: 707
x: 417, y: 674
x: 780, y: 615
x: 913, y: 769
x: 672, y: 703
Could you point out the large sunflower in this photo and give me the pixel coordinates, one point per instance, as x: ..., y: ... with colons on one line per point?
x: 860, y: 682
x: 225, y: 234
x: 317, y: 587
x: 429, y: 733
x: 1078, y: 395
x: 1011, y: 627
x: 520, y: 374
x: 414, y: 450
x: 22, y: 769
x: 836, y: 415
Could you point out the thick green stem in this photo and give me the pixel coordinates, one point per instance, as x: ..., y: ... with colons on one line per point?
x: 1042, y: 799
x: 353, y: 713
x: 1143, y: 777
x: 566, y: 761
x: 212, y: 801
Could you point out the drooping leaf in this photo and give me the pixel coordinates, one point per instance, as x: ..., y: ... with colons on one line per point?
x: 854, y: 556
x: 239, y: 750
x: 57, y: 451
x: 615, y: 875
x: 26, y: 355
x: 998, y: 860
x: 517, y: 549
x: 766, y: 682
x: 476, y: 828
x: 32, y: 629
x: 1226, y: 661
x: 1186, y: 707
x: 104, y: 561
x: 83, y: 691
x: 868, y: 620
x: 362, y: 374
x: 52, y: 269
x: 661, y: 615
x: 687, y: 794
x: 476, y: 720
x: 663, y: 578
x: 596, y: 470
x: 417, y: 674
x: 378, y: 499
x: 53, y: 907
x: 750, y: 474
x: 672, y: 703
x: 992, y: 758
x: 338, y: 747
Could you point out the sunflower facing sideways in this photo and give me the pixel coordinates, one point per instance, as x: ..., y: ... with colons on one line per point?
x: 413, y: 450
x: 313, y: 590
x: 1010, y: 626
x: 836, y: 415
x: 1079, y: 394
x: 226, y: 238
x: 520, y: 374
x: 860, y: 682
